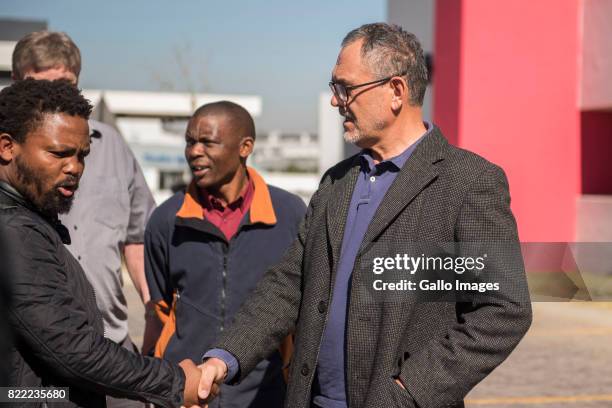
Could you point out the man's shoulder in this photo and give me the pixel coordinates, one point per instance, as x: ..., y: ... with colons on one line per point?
x: 282, y: 195
x: 339, y: 170
x: 23, y: 227
x: 19, y: 218
x: 466, y: 165
x: 110, y: 137
x: 287, y: 202
x: 104, y: 129
x: 456, y: 159
x: 165, y: 213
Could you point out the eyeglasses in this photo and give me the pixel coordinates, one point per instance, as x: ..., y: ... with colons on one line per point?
x: 341, y: 91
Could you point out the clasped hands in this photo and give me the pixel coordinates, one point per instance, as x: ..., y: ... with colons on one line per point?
x: 202, y: 383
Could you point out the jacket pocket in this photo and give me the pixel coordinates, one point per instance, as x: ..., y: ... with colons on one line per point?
x: 400, y: 396
x: 196, y: 329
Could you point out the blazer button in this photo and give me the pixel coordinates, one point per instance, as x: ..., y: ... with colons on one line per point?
x: 322, y: 306
x: 305, y: 370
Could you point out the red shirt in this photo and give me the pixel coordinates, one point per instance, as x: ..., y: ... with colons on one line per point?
x: 227, y: 218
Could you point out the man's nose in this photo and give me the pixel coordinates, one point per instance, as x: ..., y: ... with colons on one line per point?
x: 334, y: 101
x: 74, y: 166
x: 195, y: 151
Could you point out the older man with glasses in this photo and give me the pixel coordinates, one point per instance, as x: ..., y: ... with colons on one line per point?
x: 407, y: 185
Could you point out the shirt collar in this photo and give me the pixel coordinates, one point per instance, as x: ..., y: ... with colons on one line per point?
x: 93, y: 130
x: 14, y: 194
x: 210, y: 202
x: 394, y: 163
x: 261, y: 210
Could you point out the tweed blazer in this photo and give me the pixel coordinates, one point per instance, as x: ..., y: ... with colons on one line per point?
x: 439, y: 350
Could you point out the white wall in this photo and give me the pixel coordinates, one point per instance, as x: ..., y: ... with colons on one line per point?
x: 331, y: 143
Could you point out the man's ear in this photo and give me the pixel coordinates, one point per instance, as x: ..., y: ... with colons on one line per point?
x: 400, y: 93
x: 7, y: 147
x: 246, y: 146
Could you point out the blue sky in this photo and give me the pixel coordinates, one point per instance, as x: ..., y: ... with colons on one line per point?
x: 281, y: 50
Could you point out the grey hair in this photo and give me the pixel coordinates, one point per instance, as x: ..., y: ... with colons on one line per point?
x: 390, y: 50
x: 42, y: 50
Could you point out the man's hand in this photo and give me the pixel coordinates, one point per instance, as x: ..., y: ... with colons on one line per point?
x: 192, y: 379
x: 214, y: 371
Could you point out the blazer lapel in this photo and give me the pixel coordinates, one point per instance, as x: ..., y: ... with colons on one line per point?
x: 419, y: 171
x: 337, y: 209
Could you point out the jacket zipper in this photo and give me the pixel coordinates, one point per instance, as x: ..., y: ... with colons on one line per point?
x: 226, y: 249
x: 223, y: 287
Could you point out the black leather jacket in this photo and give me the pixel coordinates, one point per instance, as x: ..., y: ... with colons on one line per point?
x: 58, y: 331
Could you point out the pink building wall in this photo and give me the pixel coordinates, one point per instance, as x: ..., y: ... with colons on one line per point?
x: 506, y: 87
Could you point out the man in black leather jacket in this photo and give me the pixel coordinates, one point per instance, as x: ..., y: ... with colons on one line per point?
x: 6, y: 339
x: 58, y: 331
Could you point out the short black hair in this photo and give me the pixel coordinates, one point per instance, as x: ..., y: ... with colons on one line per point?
x: 23, y: 105
x: 239, y: 117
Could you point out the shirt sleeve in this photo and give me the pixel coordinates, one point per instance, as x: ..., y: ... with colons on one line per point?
x: 230, y: 361
x: 142, y: 203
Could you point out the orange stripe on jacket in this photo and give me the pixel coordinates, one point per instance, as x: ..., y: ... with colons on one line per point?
x: 168, y: 318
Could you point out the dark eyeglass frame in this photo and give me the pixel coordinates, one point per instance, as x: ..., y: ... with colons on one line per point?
x: 337, y: 88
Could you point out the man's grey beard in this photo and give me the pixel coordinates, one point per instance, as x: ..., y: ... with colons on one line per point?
x: 357, y: 135
x: 353, y: 137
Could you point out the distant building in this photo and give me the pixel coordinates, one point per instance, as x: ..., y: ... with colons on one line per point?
x: 280, y: 151
x: 333, y: 148
x: 11, y: 31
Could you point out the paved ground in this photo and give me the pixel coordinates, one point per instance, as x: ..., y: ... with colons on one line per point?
x: 565, y: 361
x: 135, y: 311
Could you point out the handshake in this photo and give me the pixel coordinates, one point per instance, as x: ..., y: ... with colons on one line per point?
x: 202, y: 382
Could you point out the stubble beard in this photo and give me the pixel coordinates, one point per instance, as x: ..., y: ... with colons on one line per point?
x: 353, y: 136
x: 357, y: 135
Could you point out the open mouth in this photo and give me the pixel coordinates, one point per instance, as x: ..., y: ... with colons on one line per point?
x: 67, y: 190
x: 199, y: 171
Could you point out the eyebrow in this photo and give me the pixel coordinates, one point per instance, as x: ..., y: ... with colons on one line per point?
x: 61, y: 147
x: 204, y: 136
x: 341, y: 80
